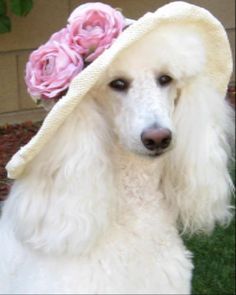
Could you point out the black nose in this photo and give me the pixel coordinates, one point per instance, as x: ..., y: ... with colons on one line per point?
x: 156, y: 138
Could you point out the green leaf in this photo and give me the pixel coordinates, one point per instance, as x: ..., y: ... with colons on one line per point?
x: 5, y: 24
x: 21, y: 7
x: 3, y: 7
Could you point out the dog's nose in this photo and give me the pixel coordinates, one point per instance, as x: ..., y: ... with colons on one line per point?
x: 156, y: 138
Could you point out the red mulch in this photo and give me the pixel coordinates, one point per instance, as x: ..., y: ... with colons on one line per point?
x: 12, y: 137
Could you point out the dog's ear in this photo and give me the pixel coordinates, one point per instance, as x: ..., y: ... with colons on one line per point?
x: 196, y: 181
x: 62, y: 203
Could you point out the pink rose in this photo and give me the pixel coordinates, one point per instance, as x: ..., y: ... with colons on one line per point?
x: 50, y: 69
x: 93, y: 27
x: 61, y: 36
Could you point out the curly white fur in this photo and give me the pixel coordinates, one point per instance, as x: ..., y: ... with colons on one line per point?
x: 93, y: 212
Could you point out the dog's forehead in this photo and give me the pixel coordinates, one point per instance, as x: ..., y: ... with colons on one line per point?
x: 168, y: 48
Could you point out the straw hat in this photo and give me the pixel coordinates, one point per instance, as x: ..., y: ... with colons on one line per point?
x: 218, y: 68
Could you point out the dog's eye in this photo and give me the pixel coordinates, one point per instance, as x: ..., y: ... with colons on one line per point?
x: 119, y: 84
x: 164, y: 80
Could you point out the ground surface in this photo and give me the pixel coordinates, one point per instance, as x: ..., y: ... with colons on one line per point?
x: 12, y: 137
x: 214, y: 261
x: 214, y: 256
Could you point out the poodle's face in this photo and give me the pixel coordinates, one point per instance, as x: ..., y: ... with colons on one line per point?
x: 142, y: 109
x: 142, y: 87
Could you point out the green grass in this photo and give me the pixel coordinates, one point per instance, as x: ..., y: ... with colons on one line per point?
x: 214, y: 260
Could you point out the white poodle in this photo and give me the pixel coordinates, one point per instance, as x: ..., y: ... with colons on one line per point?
x: 99, y: 208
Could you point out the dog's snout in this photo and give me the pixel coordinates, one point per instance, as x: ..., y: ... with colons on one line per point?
x: 156, y: 138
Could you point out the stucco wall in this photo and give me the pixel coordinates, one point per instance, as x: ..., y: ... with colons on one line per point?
x: 49, y: 16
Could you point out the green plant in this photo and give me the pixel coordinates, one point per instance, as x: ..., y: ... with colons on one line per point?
x: 18, y: 7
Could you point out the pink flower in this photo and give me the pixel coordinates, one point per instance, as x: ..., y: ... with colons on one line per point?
x: 93, y: 27
x: 61, y: 36
x: 51, y: 68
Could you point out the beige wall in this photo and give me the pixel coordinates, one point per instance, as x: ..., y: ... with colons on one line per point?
x: 49, y: 16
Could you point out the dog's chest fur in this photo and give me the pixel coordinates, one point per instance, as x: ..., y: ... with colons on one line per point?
x: 139, y: 177
x: 141, y: 252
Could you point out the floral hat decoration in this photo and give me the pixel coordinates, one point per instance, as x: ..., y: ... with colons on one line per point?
x: 60, y: 73
x: 91, y: 29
